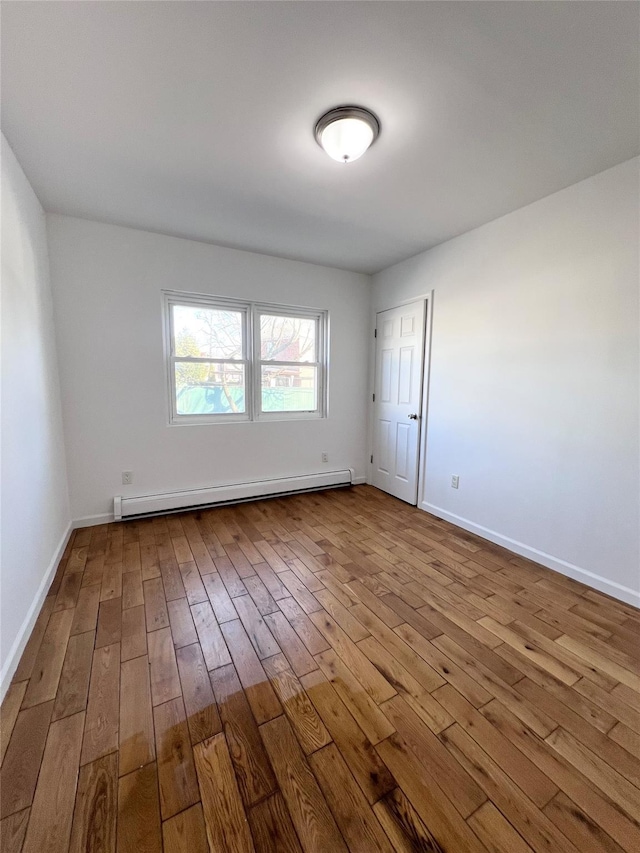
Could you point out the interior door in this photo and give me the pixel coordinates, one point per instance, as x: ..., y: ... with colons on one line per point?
x: 397, y: 400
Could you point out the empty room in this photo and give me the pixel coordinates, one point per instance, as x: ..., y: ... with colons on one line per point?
x: 320, y: 439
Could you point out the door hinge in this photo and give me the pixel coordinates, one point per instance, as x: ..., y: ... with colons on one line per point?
x: 372, y: 458
x: 375, y: 333
x: 374, y: 397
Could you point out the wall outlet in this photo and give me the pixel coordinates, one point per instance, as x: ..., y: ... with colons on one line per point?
x: 455, y: 481
x: 127, y: 478
x: 325, y: 457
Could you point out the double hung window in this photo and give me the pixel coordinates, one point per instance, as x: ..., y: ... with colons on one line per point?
x: 240, y: 361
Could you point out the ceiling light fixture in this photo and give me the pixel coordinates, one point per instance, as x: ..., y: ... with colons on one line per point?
x: 345, y: 133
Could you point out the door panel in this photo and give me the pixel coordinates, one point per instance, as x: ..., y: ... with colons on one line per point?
x: 398, y: 394
x: 403, y: 452
x: 385, y: 438
x: 386, y: 367
x: 405, y: 381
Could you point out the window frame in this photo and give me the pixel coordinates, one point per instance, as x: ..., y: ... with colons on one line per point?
x: 251, y: 312
x: 260, y: 308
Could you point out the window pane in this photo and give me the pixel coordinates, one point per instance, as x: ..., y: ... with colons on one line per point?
x: 287, y: 338
x: 289, y: 388
x: 207, y: 332
x: 209, y: 389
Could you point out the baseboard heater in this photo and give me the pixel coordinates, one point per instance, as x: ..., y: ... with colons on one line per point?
x: 166, y: 502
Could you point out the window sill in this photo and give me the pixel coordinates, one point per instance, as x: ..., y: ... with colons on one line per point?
x: 275, y: 417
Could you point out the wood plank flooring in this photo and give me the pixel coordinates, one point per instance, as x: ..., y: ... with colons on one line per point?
x: 328, y: 672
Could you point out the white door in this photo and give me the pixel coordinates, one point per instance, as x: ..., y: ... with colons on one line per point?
x: 397, y: 400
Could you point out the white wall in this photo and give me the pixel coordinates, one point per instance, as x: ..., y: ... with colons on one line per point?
x: 107, y: 284
x: 35, y: 517
x: 534, y: 378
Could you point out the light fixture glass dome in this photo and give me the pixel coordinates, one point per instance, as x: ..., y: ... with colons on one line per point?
x: 346, y: 133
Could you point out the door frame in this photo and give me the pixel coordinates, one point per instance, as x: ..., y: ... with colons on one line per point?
x: 428, y: 299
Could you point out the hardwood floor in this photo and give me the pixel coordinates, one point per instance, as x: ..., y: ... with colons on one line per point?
x: 329, y: 672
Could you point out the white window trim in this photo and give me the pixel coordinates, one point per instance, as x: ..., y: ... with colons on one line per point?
x: 252, y: 363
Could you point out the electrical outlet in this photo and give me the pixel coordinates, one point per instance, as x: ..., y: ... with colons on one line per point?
x: 325, y: 457
x: 127, y: 478
x: 455, y: 481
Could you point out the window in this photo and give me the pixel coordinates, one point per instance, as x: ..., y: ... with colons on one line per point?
x: 289, y: 362
x: 238, y: 361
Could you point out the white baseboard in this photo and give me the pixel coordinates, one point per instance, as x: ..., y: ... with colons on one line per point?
x: 616, y: 590
x: 358, y: 481
x: 15, y: 653
x: 92, y: 520
x: 223, y: 494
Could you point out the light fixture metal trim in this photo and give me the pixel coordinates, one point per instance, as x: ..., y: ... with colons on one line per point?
x: 347, y: 111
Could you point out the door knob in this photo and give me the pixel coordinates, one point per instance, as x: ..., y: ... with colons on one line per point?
x: 413, y: 417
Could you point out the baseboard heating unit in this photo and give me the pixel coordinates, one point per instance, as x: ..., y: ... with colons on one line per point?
x: 144, y: 505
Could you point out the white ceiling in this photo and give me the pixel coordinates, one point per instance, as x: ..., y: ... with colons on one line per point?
x: 196, y: 118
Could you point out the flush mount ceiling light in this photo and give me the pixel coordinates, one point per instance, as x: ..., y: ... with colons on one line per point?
x: 345, y: 133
